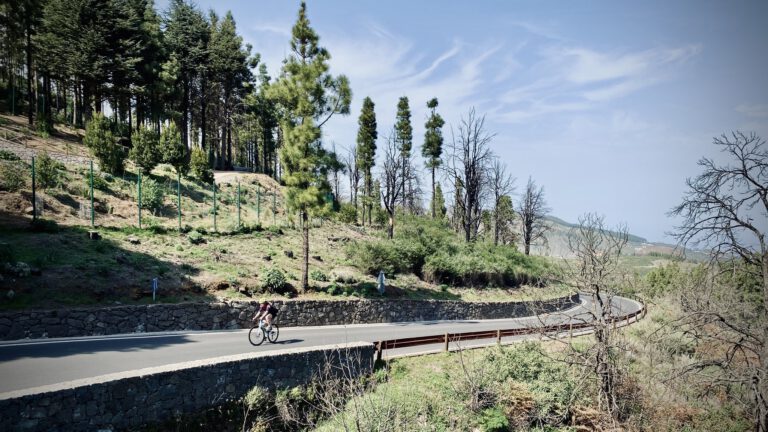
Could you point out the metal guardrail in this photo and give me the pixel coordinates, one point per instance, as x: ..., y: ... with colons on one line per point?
x: 447, y: 338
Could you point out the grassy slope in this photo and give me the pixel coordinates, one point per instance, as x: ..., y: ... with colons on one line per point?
x: 78, y: 271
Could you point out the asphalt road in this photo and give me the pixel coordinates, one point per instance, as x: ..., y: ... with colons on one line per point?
x: 33, y: 363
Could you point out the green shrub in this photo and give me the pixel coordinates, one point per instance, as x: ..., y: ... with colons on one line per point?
x: 333, y: 289
x: 493, y: 420
x: 8, y: 155
x: 13, y: 176
x: 99, y: 181
x: 103, y: 145
x: 318, y: 275
x: 152, y: 194
x: 144, y: 152
x: 347, y: 213
x: 431, y: 250
x: 257, y: 397
x: 195, y: 238
x: 273, y: 279
x: 172, y: 150
x: 44, y: 127
x: 199, y: 166
x: 47, y: 171
x: 550, y: 383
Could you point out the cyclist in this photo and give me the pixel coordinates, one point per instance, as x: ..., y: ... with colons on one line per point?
x: 267, y: 312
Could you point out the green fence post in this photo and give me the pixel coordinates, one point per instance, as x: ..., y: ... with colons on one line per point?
x: 238, y: 204
x: 214, y: 205
x: 139, y: 199
x: 92, y: 213
x: 34, y: 192
x: 178, y: 196
x: 258, y: 203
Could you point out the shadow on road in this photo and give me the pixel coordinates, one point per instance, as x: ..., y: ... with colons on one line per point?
x: 54, y: 349
x: 423, y: 323
x: 288, y: 341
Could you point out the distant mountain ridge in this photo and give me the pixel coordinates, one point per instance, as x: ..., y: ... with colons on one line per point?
x: 557, y: 243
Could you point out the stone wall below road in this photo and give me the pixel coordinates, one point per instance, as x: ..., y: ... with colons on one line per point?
x: 234, y: 315
x: 148, y: 396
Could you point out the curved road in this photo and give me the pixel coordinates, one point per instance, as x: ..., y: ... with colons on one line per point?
x: 33, y: 363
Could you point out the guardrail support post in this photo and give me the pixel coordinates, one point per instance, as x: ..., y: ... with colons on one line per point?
x: 570, y: 333
x: 445, y: 348
x: 498, y: 337
x: 378, y: 351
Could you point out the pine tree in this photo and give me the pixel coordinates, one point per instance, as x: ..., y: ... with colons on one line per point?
x: 366, y: 150
x: 172, y: 150
x: 186, y: 36
x: 433, y: 145
x: 404, y: 132
x: 438, y: 203
x: 229, y: 68
x: 309, y: 97
x: 102, y: 143
x: 145, y: 153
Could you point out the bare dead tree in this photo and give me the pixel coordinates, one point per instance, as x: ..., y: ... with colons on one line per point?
x: 412, y: 194
x: 501, y: 184
x: 725, y: 209
x: 533, y: 211
x: 469, y: 161
x: 337, y: 167
x: 353, y: 172
x: 391, y: 181
x: 595, y: 271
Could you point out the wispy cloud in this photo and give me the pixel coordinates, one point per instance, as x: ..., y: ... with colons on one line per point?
x: 753, y: 111
x: 569, y: 79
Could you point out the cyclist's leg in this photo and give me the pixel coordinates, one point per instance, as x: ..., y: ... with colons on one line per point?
x: 268, y: 320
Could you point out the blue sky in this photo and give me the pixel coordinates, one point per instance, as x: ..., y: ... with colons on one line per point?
x: 606, y: 104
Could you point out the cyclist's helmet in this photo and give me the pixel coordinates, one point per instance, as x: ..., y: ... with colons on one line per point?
x: 262, y: 300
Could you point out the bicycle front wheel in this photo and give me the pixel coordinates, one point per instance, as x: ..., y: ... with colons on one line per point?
x: 273, y: 333
x: 256, y: 336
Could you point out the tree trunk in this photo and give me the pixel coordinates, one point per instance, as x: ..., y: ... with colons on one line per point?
x: 496, y: 224
x: 185, y: 115
x: 434, y: 213
x: 391, y: 226
x: 760, y: 381
x: 203, y: 112
x: 305, y: 264
x: 30, y: 95
x: 229, y: 163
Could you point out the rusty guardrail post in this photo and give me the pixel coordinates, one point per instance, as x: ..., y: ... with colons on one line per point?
x: 498, y: 337
x: 445, y: 348
x: 378, y: 351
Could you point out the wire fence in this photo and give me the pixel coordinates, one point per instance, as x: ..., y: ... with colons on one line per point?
x: 72, y: 190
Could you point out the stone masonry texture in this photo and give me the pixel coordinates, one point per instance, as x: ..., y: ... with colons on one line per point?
x: 234, y: 315
x: 149, y: 396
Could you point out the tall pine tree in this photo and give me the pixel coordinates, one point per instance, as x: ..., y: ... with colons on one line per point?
x: 433, y: 145
x: 404, y: 132
x: 310, y: 96
x: 366, y: 151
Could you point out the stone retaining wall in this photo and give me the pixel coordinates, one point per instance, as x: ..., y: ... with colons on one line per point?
x: 234, y: 315
x: 27, y: 153
x: 126, y: 401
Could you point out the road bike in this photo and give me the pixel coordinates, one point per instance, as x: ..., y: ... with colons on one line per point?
x: 259, y: 332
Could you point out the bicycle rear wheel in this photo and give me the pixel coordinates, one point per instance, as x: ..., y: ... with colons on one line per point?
x: 255, y: 336
x: 273, y: 333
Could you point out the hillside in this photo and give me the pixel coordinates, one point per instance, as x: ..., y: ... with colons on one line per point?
x: 639, y: 254
x: 211, y: 258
